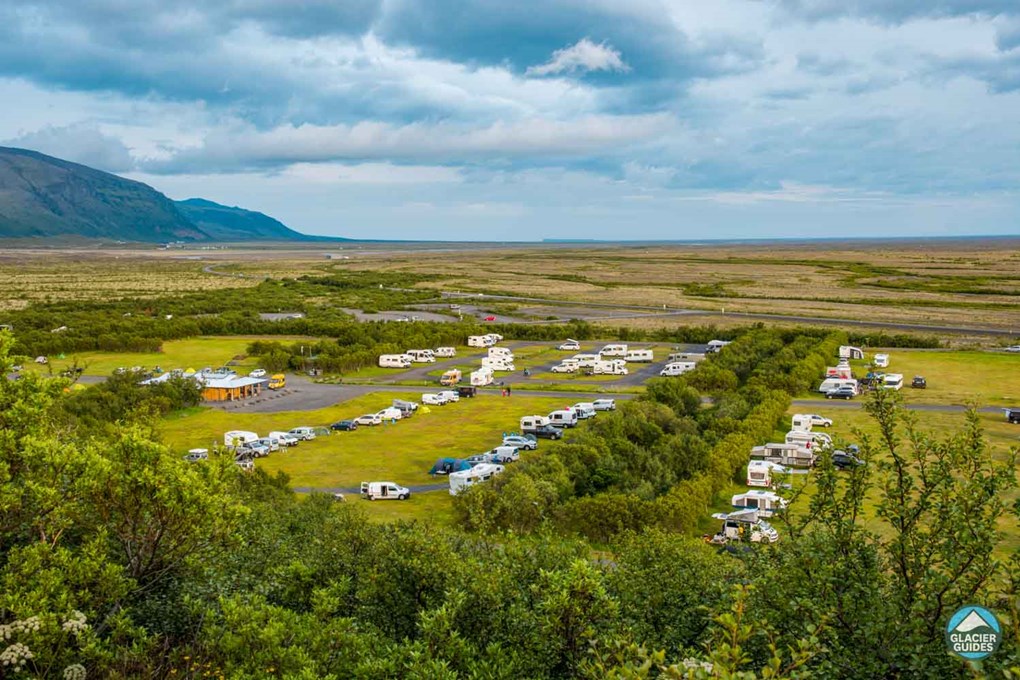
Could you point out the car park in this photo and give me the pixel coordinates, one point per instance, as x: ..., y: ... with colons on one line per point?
x: 369, y: 419
x: 604, y: 404
x: 344, y: 425
x: 258, y: 373
x: 521, y: 442
x: 845, y: 392
x: 303, y: 433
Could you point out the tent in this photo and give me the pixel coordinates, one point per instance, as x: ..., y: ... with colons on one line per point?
x: 445, y: 466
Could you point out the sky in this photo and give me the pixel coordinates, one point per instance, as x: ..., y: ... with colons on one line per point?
x: 527, y: 120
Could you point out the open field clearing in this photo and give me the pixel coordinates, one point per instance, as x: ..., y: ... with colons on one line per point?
x: 196, y: 353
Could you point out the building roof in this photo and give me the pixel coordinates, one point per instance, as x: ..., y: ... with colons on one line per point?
x: 232, y: 382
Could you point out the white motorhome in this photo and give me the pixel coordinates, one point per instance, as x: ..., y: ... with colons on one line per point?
x: 394, y: 361
x: 614, y: 351
x: 492, y: 338
x: 744, y: 525
x: 564, y: 417
x: 677, y: 368
x: 850, y: 352
x: 881, y: 361
x: 639, y: 355
x: 530, y: 423
x: 808, y: 439
x: 614, y: 367
x: 477, y: 341
x: 445, y: 352
x: 481, y: 377
x: 767, y: 503
x: 238, y: 437
x: 716, y: 345
x: 762, y: 472
x: 501, y: 353
x: 498, y: 364
x: 421, y: 356
x: 465, y: 479
x: 892, y: 381
x: 830, y: 384
x: 384, y: 491
x: 788, y: 455
x: 584, y: 409
x: 585, y: 360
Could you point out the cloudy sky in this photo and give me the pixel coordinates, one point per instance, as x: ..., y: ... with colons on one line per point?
x: 523, y: 120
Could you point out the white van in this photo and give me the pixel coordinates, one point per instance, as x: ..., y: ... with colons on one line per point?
x: 286, y: 438
x: 585, y: 410
x: 391, y: 413
x: 501, y: 353
x: 481, y: 377
x: 564, y: 417
x: 881, y: 361
x: 677, y: 368
x: 467, y: 478
x: 384, y: 491
x: 604, y: 404
x: 394, y: 361
x: 195, y: 455
x: 830, y: 384
x: 530, y: 423
x: 808, y: 439
x: 767, y: 503
x: 614, y: 351
x: 445, y: 352
x: 271, y: 443
x: 614, y: 367
x: 639, y: 355
x: 761, y: 472
x: 421, y: 356
x: 892, y: 381
x: 238, y: 437
x: 434, y: 399
x: 303, y: 433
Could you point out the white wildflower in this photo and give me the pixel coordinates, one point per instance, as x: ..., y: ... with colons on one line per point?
x: 75, y: 672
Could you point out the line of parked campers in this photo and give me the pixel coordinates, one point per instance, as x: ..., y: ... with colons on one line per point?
x: 613, y: 359
x: 464, y: 473
x: 840, y: 383
x: 246, y: 445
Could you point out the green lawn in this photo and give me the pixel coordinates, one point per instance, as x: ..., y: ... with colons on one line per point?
x: 194, y: 353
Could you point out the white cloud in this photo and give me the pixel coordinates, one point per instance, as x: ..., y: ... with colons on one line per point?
x: 583, y: 56
x: 81, y: 143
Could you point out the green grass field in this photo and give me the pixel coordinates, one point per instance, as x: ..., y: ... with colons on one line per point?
x: 194, y: 353
x: 402, y: 453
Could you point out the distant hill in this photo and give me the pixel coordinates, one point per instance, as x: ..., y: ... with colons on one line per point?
x: 224, y: 223
x: 46, y: 197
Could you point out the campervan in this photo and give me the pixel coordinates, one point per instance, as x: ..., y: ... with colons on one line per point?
x: 715, y: 345
x: 613, y: 367
x: 566, y: 417
x: 639, y: 356
x: 762, y: 472
x: 614, y: 351
x: 481, y: 377
x: 492, y: 338
x: 529, y: 423
x: 468, y: 478
x: 286, y: 438
x: 501, y: 353
x: 498, y: 364
x: 744, y: 525
x: 677, y: 368
x: 445, y: 352
x: 385, y: 491
x: 421, y: 356
x: 892, y: 381
x: 451, y: 377
x: 849, y: 352
x: 195, y: 455
x: 830, y: 384
x: 808, y: 439
x: 881, y: 360
x: 585, y: 360
x: 477, y: 341
x: 789, y: 455
x: 238, y: 437
x: 767, y: 503
x: 394, y: 361
x: 584, y: 409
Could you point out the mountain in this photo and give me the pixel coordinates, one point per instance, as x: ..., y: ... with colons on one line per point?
x: 224, y: 223
x: 43, y: 196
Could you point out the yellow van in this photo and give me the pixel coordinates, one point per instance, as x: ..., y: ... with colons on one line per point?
x: 278, y: 381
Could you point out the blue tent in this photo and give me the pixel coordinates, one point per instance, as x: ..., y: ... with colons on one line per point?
x: 445, y: 466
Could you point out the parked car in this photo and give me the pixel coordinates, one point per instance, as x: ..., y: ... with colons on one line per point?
x: 252, y: 450
x: 385, y: 491
x: 844, y: 460
x: 564, y: 368
x: 369, y: 419
x: 285, y: 438
x: 1013, y: 415
x: 521, y: 442
x: 490, y: 318
x: 919, y: 382
x: 303, y: 433
x: 195, y: 455
x: 604, y: 404
x: 547, y: 432
x: 344, y: 425
x: 272, y: 443
x: 467, y: 390
x: 1013, y: 348
x: 258, y: 373
x: 845, y: 392
x: 451, y: 395
x: 433, y: 399
x: 570, y: 346
x: 817, y: 420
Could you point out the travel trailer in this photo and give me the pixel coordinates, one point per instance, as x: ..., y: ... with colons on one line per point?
x: 639, y: 356
x: 614, y: 367
x: 614, y: 351
x: 763, y: 473
x: 421, y: 356
x: 716, y: 345
x: 849, y: 352
x: 477, y: 341
x: 481, y: 377
x: 830, y: 384
x: 677, y: 368
x: 451, y: 377
x: 881, y: 361
x: 394, y: 361
x: 788, y: 455
x: 238, y: 437
x: 445, y: 352
x: 807, y: 439
x: 465, y: 479
x: 767, y: 503
x: 744, y: 526
x: 530, y: 423
x: 892, y: 381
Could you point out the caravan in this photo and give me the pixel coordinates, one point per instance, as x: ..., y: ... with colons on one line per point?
x: 762, y: 472
x: 239, y: 437
x: 685, y: 356
x: 788, y: 455
x: 465, y: 479
x: 830, y: 384
x: 892, y: 381
x: 445, y: 352
x: 767, y: 503
x: 481, y: 377
x: 808, y: 439
x: 639, y: 356
x: 677, y: 368
x: 614, y: 351
x: 881, y: 361
x: 498, y: 364
x: 715, y: 346
x: 421, y: 356
x: 394, y: 361
x: 614, y: 367
x: 477, y: 341
x: 584, y: 360
x: 532, y: 423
